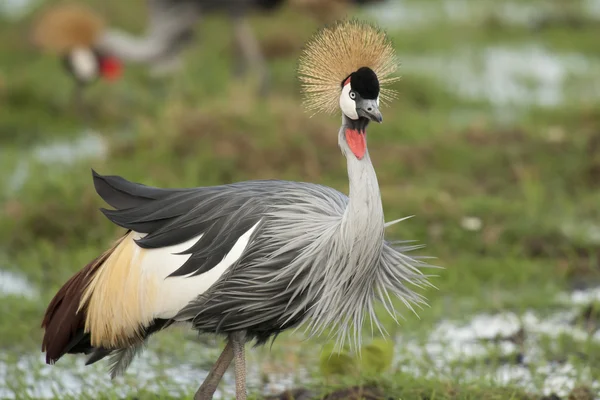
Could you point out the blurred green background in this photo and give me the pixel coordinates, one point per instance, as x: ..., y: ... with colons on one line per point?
x: 493, y: 145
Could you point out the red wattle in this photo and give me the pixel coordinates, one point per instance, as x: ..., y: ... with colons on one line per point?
x: 356, y: 141
x: 110, y: 68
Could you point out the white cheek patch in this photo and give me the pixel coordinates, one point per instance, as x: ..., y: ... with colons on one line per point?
x: 348, y: 105
x: 84, y: 64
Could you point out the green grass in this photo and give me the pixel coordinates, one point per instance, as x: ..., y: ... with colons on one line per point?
x: 537, y: 198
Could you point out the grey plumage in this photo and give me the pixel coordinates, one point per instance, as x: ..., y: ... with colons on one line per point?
x: 121, y: 359
x: 317, y: 254
x: 170, y: 30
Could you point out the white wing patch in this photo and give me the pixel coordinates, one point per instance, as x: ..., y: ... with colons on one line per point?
x: 175, y: 293
x: 348, y: 105
x: 133, y: 287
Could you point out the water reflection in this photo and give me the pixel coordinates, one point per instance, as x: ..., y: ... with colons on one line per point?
x: 87, y: 146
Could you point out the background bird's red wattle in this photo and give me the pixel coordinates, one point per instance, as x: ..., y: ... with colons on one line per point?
x: 111, y: 68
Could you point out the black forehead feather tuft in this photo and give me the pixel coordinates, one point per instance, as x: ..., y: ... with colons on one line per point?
x: 365, y: 82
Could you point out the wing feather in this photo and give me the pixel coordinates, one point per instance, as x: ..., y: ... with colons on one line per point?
x: 121, y: 194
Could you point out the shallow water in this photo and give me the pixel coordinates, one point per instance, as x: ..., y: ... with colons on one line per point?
x: 446, y: 351
x: 72, y: 378
x: 523, y: 75
x: 402, y: 14
x: 16, y: 8
x: 585, y: 232
x: 88, y: 145
x: 511, y: 76
x: 149, y: 372
x: 592, y: 7
x: 14, y: 284
x: 407, y: 14
x: 452, y: 343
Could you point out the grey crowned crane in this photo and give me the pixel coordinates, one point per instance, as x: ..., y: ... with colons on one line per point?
x: 91, y: 50
x: 73, y: 30
x: 248, y: 260
x: 70, y: 31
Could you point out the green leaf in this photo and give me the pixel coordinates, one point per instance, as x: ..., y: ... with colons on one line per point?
x: 376, y: 357
x: 336, y: 363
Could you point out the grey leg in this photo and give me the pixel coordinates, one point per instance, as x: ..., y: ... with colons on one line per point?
x: 209, y: 386
x: 240, y: 66
x: 239, y: 341
x: 78, y: 102
x: 249, y: 48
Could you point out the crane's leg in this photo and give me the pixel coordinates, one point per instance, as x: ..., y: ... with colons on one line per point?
x: 239, y: 359
x: 209, y: 386
x: 241, y: 60
x: 248, y: 46
x: 78, y: 101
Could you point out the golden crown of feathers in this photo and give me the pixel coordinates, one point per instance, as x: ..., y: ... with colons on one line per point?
x: 65, y: 26
x: 337, y: 51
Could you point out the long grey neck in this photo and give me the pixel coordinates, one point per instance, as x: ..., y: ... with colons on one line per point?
x: 364, y: 213
x: 170, y: 28
x: 353, y: 254
x: 143, y: 50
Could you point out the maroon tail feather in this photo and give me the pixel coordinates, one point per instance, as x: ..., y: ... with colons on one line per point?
x: 62, y: 323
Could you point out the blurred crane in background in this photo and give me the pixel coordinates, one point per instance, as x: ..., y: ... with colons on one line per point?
x: 91, y: 50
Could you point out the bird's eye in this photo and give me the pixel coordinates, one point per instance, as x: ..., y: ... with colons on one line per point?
x: 352, y: 95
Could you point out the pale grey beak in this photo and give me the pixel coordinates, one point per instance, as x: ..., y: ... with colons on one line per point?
x: 369, y: 109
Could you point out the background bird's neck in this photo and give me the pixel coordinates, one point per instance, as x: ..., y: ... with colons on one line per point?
x: 170, y: 28
x: 364, y: 208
